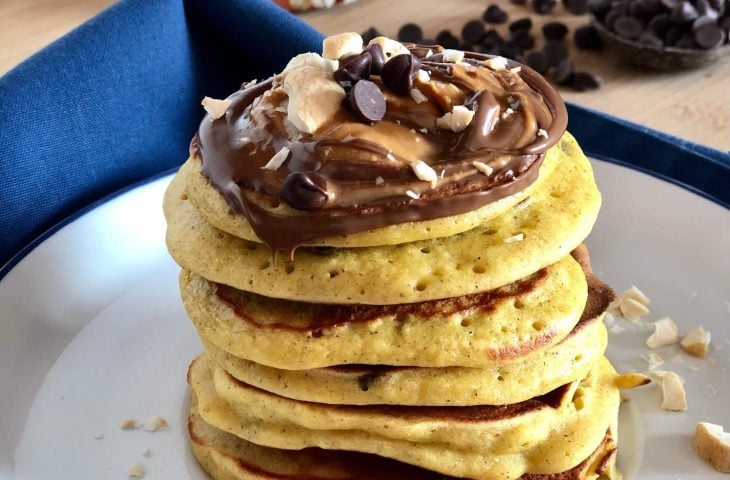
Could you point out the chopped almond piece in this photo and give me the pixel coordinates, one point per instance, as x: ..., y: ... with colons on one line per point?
x: 713, y: 444
x: 665, y: 333
x: 697, y: 342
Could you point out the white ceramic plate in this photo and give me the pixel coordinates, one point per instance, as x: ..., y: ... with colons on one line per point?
x: 92, y: 332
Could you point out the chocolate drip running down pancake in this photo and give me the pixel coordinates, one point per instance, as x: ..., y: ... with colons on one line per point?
x: 348, y: 177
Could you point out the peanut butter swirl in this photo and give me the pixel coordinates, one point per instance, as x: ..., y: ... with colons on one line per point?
x: 349, y: 176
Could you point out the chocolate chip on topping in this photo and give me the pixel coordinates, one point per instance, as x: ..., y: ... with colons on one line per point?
x: 670, y: 4
x: 304, y: 191
x: 583, y: 81
x: 599, y: 8
x: 554, y: 30
x: 674, y: 33
x: 701, y: 22
x: 369, y: 34
x: 685, y: 12
x: 544, y: 7
x: 472, y: 31
x: 563, y: 71
x: 724, y: 24
x: 367, y: 101
x: 660, y: 24
x: 556, y: 52
x: 586, y: 38
x: 447, y: 39
x: 410, y: 32
x: 685, y: 41
x: 399, y: 72
x: 650, y: 39
x: 521, y: 24
x: 709, y: 36
x: 494, y: 14
x: 538, y: 61
x: 377, y: 59
x: 576, y: 7
x: 354, y: 68
x: 628, y: 27
x: 610, y: 19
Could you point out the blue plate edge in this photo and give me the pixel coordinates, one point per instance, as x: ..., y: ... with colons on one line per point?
x: 45, y: 235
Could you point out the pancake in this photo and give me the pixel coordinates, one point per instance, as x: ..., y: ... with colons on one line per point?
x: 539, y: 372
x: 531, y: 437
x: 553, y: 221
x: 227, y: 457
x: 480, y: 330
x: 214, y: 209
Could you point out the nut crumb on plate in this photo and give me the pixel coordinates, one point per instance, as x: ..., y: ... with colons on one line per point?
x: 665, y: 333
x: 136, y: 470
x: 128, y: 424
x: 155, y: 424
x: 712, y: 444
x: 696, y: 342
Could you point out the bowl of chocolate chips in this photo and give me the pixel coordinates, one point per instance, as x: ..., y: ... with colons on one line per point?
x: 664, y: 34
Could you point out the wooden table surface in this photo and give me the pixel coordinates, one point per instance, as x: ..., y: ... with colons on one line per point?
x: 691, y: 104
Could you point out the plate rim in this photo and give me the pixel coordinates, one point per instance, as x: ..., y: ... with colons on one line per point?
x: 32, y: 245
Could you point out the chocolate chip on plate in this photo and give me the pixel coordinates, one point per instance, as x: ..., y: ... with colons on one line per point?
x: 367, y: 101
x: 377, y: 59
x: 554, y: 30
x: 586, y: 37
x: 562, y: 71
x: 523, y: 40
x: 491, y: 39
x: 510, y: 50
x: 709, y: 36
x: 543, y: 7
x: 304, y: 191
x: 494, y: 14
x: 472, y: 31
x: 399, y: 72
x: 369, y: 34
x: 576, y: 7
x: 521, y: 24
x: 410, y: 32
x: 628, y: 27
x: 447, y: 39
x: 538, y: 61
x: 354, y: 68
x: 555, y: 52
x: 583, y: 81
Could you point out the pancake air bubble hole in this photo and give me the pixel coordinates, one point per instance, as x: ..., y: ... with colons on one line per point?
x: 538, y: 325
x: 289, y: 268
x: 479, y: 268
x: 425, y: 250
x: 422, y: 285
x: 264, y: 265
x: 252, y: 246
x: 184, y: 196
x: 518, y: 304
x: 490, y: 231
x: 333, y: 274
x: 465, y: 322
x: 557, y: 194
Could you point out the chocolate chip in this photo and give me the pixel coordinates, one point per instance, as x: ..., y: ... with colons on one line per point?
x: 704, y: 8
x: 472, y: 31
x: 491, y: 39
x: 538, y: 61
x: 521, y: 24
x: 523, y: 40
x: 724, y: 24
x: 610, y: 19
x: 685, y: 41
x: 555, y: 52
x: 586, y: 38
x: 554, y: 30
x: 576, y: 7
x: 543, y: 7
x: 369, y: 34
x: 645, y: 9
x: 670, y: 4
x: 674, y: 33
x: 399, y: 72
x: 660, y: 24
x: 583, y: 81
x: 709, y: 36
x: 304, y: 190
x: 621, y: 7
x: 628, y: 27
x: 367, y: 101
x: 510, y: 50
x: 494, y: 14
x: 599, y: 8
x: 429, y: 41
x: 562, y: 71
x: 410, y: 32
x: 702, y: 21
x: 447, y: 39
x: 377, y: 59
x: 354, y: 68
x: 650, y: 39
x: 685, y: 12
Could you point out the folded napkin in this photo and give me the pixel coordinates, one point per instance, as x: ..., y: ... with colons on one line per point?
x: 118, y: 99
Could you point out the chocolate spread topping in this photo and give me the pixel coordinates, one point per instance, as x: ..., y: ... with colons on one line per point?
x: 362, y: 173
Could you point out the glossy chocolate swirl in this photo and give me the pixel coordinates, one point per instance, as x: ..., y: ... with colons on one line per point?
x: 350, y: 176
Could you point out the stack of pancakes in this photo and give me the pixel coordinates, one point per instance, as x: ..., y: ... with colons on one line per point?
x: 469, y: 346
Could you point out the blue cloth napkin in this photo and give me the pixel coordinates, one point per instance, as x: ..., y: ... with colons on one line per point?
x: 118, y: 99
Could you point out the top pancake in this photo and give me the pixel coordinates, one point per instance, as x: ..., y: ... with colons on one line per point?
x: 553, y: 221
x: 214, y: 209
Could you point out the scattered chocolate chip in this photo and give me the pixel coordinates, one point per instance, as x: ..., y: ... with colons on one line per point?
x: 367, y: 101
x: 369, y: 34
x: 399, y: 72
x: 685, y: 12
x: 491, y: 39
x: 628, y: 27
x: 587, y: 38
x: 494, y: 14
x: 538, y: 61
x: 555, y: 52
x: 543, y: 7
x: 510, y: 50
x: 521, y: 24
x: 583, y: 81
x: 447, y: 39
x: 523, y: 40
x: 472, y: 31
x: 576, y: 7
x: 354, y: 68
x: 554, y: 30
x: 304, y: 191
x: 410, y: 32
x: 562, y: 71
x: 709, y: 36
x: 377, y: 59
